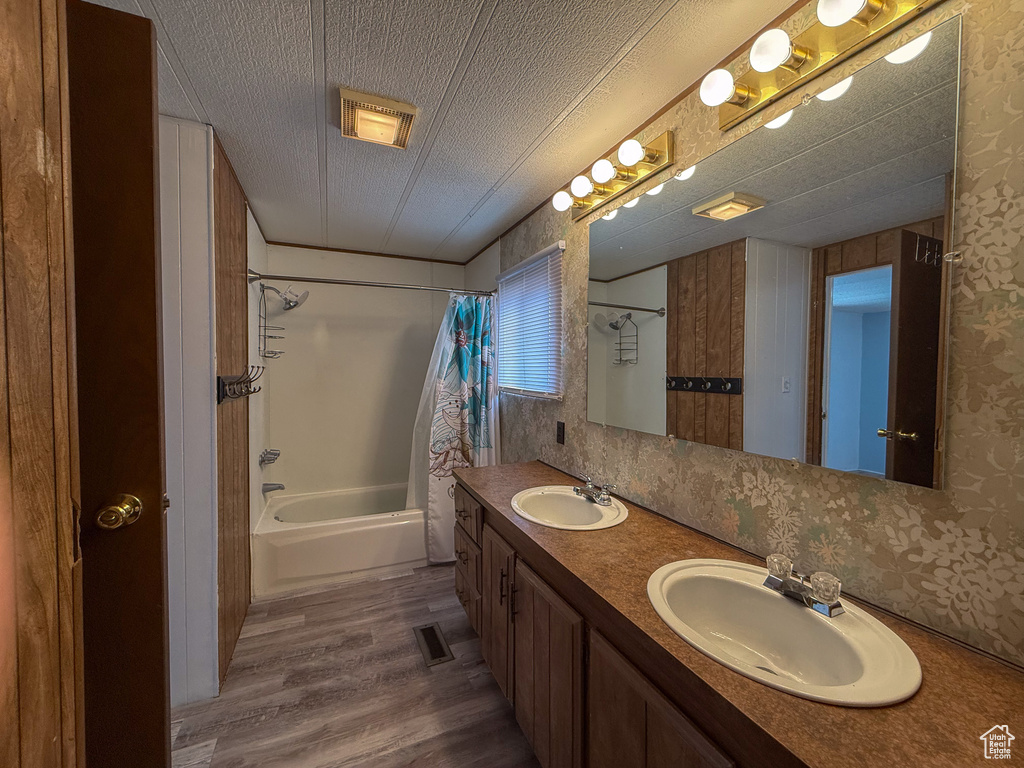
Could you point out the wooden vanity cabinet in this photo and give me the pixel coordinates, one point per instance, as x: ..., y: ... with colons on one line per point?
x: 468, y: 556
x: 497, y: 562
x: 631, y: 725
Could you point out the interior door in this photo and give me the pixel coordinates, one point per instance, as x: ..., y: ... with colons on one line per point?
x: 113, y: 118
x: 914, y: 360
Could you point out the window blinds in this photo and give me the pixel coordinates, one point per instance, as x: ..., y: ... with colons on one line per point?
x: 530, y: 325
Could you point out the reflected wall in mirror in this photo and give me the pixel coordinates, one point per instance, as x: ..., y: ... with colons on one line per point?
x: 787, y: 295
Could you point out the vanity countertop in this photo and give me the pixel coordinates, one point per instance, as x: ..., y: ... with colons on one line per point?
x: 605, y: 573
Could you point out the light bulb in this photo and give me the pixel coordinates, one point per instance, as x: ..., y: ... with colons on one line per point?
x: 562, y: 201
x: 717, y: 88
x: 837, y: 90
x: 611, y: 215
x: 779, y: 121
x: 655, y: 190
x: 632, y: 203
x: 631, y: 152
x: 835, y: 13
x: 911, y: 50
x: 686, y: 174
x: 602, y: 171
x: 771, y: 50
x: 581, y: 186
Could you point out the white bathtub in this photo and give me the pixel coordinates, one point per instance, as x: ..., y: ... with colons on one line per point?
x: 308, y: 540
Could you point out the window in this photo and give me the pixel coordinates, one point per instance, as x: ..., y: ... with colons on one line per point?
x: 530, y: 325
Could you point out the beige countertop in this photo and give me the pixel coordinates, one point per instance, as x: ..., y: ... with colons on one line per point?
x: 604, y: 573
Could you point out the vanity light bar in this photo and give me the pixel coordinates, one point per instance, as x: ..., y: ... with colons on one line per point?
x: 779, y: 64
x: 612, y: 176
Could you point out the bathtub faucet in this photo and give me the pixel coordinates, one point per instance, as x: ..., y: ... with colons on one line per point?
x: 268, y: 487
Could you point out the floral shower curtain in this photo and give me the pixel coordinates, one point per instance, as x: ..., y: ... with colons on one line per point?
x: 457, y: 420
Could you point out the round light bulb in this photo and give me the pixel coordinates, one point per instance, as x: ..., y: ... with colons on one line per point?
x: 687, y: 173
x: 835, y: 13
x: 611, y: 215
x: 779, y: 121
x: 655, y: 190
x: 602, y: 171
x: 562, y: 201
x: 581, y: 186
x: 771, y: 50
x: 631, y: 152
x: 632, y: 203
x: 717, y: 88
x: 837, y: 90
x: 911, y: 50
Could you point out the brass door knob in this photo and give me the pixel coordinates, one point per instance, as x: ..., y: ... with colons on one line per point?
x: 125, y: 510
x: 889, y: 434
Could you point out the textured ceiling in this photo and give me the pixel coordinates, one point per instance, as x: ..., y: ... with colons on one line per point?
x: 875, y: 158
x: 514, y: 98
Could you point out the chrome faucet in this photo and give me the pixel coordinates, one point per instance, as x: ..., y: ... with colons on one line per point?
x: 599, y: 494
x: 268, y: 487
x: 820, y: 592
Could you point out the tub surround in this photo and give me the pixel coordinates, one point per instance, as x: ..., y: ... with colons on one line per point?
x: 604, y: 574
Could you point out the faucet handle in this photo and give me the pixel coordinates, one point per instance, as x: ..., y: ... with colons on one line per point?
x: 609, y: 488
x: 779, y: 566
x: 825, y: 587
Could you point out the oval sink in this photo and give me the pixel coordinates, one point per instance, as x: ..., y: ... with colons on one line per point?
x: 558, y: 506
x: 722, y: 609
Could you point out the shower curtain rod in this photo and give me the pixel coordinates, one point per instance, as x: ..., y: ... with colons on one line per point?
x: 254, y: 276
x: 660, y: 311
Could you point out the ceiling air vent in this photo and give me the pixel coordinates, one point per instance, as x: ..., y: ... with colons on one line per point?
x: 376, y: 119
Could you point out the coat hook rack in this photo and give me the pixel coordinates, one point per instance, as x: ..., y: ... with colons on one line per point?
x: 714, y: 385
x: 235, y: 387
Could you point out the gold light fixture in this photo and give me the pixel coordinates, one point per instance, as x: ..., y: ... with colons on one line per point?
x: 780, y: 64
x: 376, y: 119
x: 611, y: 176
x: 728, y: 206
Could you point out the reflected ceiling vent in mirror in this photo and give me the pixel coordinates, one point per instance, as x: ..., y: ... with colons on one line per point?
x: 728, y: 206
x: 376, y: 119
x: 782, y: 60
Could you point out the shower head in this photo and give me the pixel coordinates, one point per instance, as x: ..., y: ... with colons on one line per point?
x: 289, y: 297
x: 616, y: 324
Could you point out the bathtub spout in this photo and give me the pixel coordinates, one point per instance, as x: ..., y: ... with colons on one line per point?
x: 268, y: 487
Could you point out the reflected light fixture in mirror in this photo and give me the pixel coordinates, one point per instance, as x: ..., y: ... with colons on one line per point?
x: 835, y: 13
x: 581, y: 186
x: 686, y: 173
x: 611, y: 215
x: 779, y: 121
x: 837, y: 90
x: 562, y: 201
x: 911, y: 50
x: 718, y: 87
x: 632, y: 203
x: 655, y: 190
x: 774, y: 49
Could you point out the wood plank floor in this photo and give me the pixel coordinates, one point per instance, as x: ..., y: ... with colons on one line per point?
x: 336, y: 680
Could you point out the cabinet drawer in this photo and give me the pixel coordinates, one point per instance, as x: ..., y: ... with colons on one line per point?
x: 467, y: 558
x: 469, y: 514
x: 469, y: 598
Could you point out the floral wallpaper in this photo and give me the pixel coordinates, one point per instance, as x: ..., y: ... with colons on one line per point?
x: 951, y: 559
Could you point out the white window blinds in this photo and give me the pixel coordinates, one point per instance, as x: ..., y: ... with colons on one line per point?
x: 530, y: 325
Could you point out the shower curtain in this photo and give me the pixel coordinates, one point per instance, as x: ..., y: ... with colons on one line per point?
x: 457, y: 420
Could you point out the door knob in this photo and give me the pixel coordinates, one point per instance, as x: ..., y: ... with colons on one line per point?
x: 124, y: 510
x: 889, y: 434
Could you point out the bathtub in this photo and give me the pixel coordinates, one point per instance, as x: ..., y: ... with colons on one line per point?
x: 308, y: 540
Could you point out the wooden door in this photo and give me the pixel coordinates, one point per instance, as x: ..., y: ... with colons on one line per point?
x: 113, y: 104
x: 495, y: 637
x: 548, y: 668
x: 631, y: 725
x: 914, y: 359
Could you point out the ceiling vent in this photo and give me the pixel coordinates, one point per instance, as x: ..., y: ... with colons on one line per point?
x: 729, y: 206
x: 373, y: 118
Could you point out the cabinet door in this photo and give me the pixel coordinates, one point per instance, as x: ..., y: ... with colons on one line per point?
x: 495, y: 638
x: 548, y: 655
x: 631, y: 725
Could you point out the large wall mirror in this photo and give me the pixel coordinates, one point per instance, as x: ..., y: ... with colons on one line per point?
x: 786, y: 295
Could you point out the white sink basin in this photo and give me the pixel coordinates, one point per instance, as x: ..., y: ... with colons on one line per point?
x: 721, y: 609
x: 558, y: 506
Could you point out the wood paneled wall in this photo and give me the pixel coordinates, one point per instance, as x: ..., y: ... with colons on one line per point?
x: 40, y: 649
x: 874, y: 250
x: 232, y: 339
x: 706, y: 295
